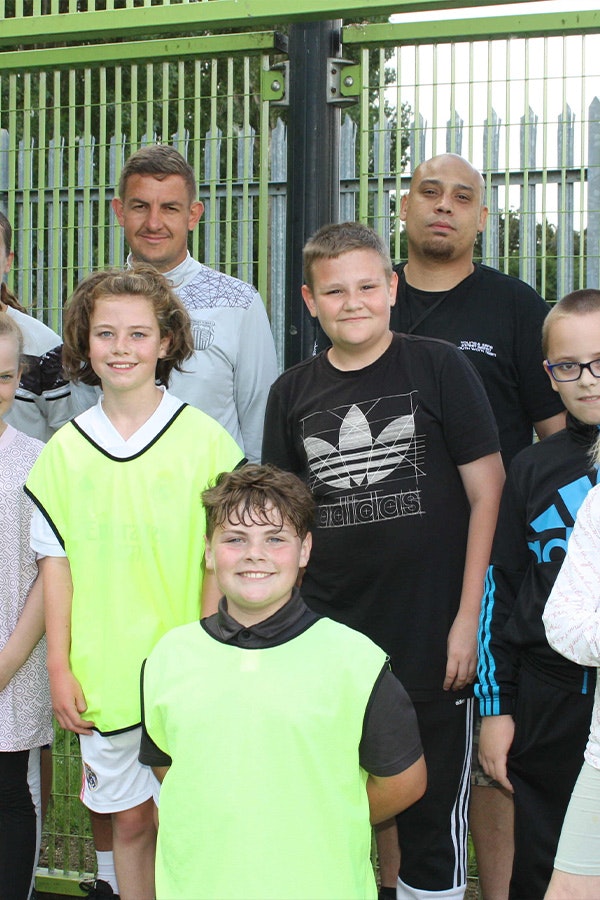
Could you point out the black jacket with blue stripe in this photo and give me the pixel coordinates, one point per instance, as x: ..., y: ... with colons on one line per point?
x: 545, y: 487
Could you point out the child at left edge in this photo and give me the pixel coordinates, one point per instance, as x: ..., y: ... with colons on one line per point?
x: 119, y: 527
x: 315, y: 737
x: 25, y: 711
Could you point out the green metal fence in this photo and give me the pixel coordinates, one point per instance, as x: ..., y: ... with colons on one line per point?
x: 67, y: 130
x: 84, y: 83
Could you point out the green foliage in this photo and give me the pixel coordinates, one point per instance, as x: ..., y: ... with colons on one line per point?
x: 546, y: 252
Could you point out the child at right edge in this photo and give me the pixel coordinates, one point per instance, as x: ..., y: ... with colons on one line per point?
x: 535, y: 704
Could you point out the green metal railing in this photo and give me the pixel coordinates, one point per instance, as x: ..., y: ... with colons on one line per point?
x: 83, y: 84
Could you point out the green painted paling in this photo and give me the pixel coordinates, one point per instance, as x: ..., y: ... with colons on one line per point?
x: 177, y: 17
x: 76, y: 123
x: 137, y: 51
x: 393, y: 34
x: 65, y: 105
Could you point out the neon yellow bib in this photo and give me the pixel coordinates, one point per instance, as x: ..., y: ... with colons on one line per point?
x: 265, y: 798
x: 133, y: 532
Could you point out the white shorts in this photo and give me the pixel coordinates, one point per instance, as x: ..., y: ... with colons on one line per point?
x: 113, y: 779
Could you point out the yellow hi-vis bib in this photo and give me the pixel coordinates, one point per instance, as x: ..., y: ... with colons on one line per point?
x: 133, y: 532
x: 265, y: 798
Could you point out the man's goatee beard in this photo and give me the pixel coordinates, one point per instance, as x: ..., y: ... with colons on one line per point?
x: 437, y: 250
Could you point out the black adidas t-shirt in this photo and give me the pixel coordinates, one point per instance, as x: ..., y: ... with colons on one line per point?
x: 496, y: 320
x: 380, y: 448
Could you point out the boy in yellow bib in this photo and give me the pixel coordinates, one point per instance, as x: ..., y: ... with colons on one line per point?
x: 278, y: 734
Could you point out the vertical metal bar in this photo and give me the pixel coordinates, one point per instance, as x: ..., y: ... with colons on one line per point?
x: 434, y: 104
x: 417, y: 150
x: 348, y: 168
x: 398, y: 163
x: 101, y: 221
x: 212, y: 167
x: 134, y: 137
x: 71, y: 181
x: 593, y: 227
x: 471, y: 101
x: 313, y: 164
x: 196, y: 160
x: 86, y: 149
x: 55, y: 176
x: 116, y: 239
x: 165, y: 104
x: 148, y: 132
x: 564, y: 243
x: 381, y: 158
x: 544, y: 186
x: 527, y: 219
x: 277, y: 236
x: 508, y: 133
x: 26, y: 251
x: 263, y: 258
x: 41, y: 293
x: 363, y: 151
x: 582, y: 204
x: 242, y: 174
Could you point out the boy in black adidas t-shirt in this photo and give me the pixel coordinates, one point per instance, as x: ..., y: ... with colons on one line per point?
x: 396, y: 438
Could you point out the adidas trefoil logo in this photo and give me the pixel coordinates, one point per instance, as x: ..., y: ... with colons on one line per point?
x: 360, y: 459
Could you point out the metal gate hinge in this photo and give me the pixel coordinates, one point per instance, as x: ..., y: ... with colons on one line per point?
x: 273, y: 84
x: 343, y: 81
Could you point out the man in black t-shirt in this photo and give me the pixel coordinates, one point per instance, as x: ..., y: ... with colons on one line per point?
x: 496, y: 320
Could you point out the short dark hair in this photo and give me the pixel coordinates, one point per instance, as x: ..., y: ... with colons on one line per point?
x: 334, y: 240
x: 251, y: 494
x: 577, y: 303
x: 141, y: 280
x: 160, y: 161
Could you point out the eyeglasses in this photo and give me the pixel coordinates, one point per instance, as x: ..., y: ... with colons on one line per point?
x: 572, y: 371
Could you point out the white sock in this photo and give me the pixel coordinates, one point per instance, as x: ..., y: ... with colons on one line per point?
x: 406, y: 892
x: 106, y: 868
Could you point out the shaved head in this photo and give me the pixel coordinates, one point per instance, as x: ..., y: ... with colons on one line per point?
x: 444, y: 210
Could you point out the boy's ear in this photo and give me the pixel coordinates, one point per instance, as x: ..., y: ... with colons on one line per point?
x: 549, y: 374
x: 208, y: 555
x: 305, y: 550
x: 393, y: 288
x: 308, y: 298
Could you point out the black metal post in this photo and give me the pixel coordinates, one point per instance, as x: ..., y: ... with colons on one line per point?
x: 313, y: 166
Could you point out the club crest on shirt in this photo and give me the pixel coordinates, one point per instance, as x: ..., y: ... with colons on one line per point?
x: 91, y: 778
x: 203, y: 333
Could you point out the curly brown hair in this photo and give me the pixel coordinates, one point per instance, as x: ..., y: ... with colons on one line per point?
x: 252, y: 493
x: 141, y: 280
